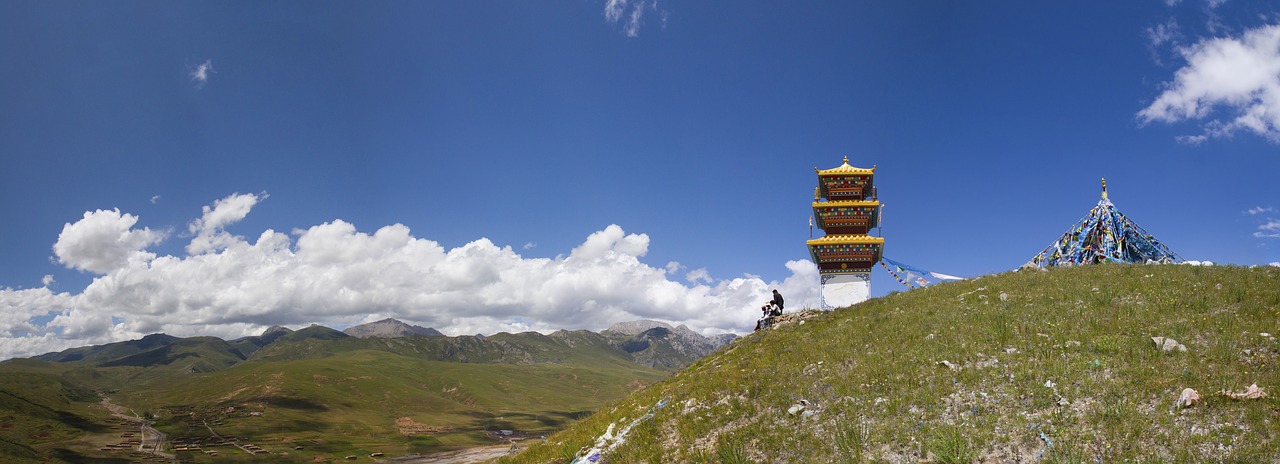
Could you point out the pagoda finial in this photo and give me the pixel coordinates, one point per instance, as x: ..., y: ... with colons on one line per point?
x: 1104, y: 188
x: 846, y: 160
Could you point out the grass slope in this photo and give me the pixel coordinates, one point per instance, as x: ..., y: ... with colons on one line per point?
x: 40, y: 409
x: 349, y: 403
x: 330, y: 394
x: 1054, y: 366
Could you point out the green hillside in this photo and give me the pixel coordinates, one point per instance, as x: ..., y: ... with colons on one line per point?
x: 41, y: 410
x: 1051, y: 366
x: 350, y: 403
x: 311, y: 394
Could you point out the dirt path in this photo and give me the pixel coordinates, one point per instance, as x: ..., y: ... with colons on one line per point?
x: 466, y: 456
x: 151, y: 439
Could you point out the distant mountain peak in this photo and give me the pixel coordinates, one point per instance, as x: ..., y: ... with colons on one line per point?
x: 659, y: 345
x: 274, y: 329
x: 390, y: 328
x: 638, y: 327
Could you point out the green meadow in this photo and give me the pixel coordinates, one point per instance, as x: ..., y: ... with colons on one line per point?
x: 1030, y: 366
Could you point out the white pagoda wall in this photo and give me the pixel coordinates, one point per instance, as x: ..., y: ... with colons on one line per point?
x: 840, y: 290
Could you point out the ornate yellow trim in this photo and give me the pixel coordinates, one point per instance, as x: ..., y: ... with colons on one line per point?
x: 840, y: 239
x: 845, y: 203
x: 845, y: 169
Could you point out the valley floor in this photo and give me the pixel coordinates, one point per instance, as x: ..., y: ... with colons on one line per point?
x: 466, y: 456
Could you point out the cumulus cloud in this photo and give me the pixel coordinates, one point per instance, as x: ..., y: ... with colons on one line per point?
x: 200, y: 75
x: 208, y: 230
x: 1230, y: 83
x: 337, y: 275
x: 631, y: 14
x: 699, y: 275
x: 104, y: 241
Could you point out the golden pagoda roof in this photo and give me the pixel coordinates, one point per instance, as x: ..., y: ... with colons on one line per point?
x: 845, y: 169
x: 845, y: 203
x: 843, y: 239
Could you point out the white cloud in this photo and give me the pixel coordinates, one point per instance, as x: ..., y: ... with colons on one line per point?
x: 1274, y: 264
x: 613, y: 10
x: 335, y: 275
x: 1239, y: 75
x: 616, y: 11
x: 200, y: 75
x: 1259, y: 210
x: 208, y: 230
x: 47, y: 280
x: 155, y: 199
x: 18, y: 307
x: 699, y: 275
x: 1163, y: 33
x: 1269, y: 229
x: 103, y: 241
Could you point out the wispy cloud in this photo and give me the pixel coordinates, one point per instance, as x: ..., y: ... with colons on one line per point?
x: 1161, y: 34
x: 1268, y: 222
x: 200, y: 75
x: 1259, y: 210
x: 632, y: 14
x: 1238, y: 76
x: 1269, y: 229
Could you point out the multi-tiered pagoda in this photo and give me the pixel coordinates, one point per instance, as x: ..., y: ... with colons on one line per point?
x: 846, y: 209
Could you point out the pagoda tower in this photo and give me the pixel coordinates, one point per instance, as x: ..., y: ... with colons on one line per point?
x: 846, y: 209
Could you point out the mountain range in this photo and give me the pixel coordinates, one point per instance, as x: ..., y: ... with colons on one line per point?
x: 411, y: 387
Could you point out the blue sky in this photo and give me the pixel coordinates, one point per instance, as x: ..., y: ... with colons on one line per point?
x: 216, y: 168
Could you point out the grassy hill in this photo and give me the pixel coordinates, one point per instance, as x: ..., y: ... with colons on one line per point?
x: 1052, y: 366
x: 355, y: 402
x: 311, y: 394
x: 41, y: 410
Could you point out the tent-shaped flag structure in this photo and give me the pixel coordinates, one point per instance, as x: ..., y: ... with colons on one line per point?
x: 1105, y: 234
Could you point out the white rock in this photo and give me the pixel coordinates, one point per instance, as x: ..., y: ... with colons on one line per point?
x: 1188, y: 398
x: 1168, y: 344
x: 1049, y: 384
x: 795, y: 408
